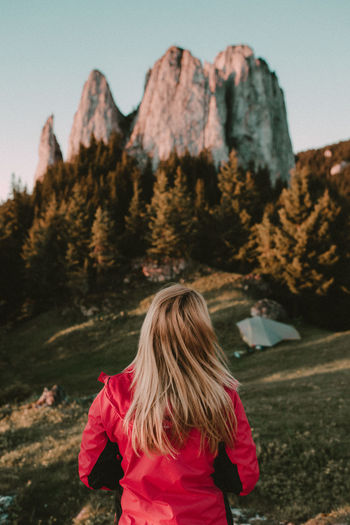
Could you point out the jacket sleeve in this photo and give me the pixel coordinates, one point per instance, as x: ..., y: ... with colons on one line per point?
x: 99, y: 458
x: 243, y: 455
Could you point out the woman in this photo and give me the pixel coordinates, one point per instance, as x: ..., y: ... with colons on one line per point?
x: 159, y: 425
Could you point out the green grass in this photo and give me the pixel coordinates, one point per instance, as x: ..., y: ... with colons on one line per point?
x: 295, y: 394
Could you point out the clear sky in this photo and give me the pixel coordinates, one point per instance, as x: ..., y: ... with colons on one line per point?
x: 48, y: 48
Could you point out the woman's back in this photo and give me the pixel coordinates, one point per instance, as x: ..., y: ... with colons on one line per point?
x: 166, y: 415
x: 160, y: 489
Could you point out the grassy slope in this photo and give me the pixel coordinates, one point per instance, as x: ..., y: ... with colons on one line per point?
x: 295, y: 396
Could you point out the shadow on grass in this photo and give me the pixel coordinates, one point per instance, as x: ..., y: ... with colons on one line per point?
x: 295, y: 395
x: 47, y: 494
x: 294, y: 358
x: 301, y: 428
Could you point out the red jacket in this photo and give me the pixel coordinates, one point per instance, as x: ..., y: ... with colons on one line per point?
x: 160, y: 490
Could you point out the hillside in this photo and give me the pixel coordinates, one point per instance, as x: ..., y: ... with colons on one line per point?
x: 331, y: 163
x: 294, y: 394
x: 321, y: 160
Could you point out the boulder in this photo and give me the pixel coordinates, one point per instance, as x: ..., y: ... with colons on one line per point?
x: 55, y: 396
x: 270, y: 309
x: 255, y: 285
x: 336, y: 169
x: 158, y: 273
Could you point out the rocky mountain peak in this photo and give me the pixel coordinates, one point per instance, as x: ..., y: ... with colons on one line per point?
x: 175, y: 61
x: 173, y: 55
x: 171, y: 114
x: 234, y: 61
x: 49, y: 149
x: 235, y: 102
x: 97, y: 114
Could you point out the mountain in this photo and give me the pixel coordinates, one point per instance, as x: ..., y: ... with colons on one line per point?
x: 235, y: 102
x: 97, y: 114
x: 49, y: 149
x: 330, y: 160
x: 330, y: 163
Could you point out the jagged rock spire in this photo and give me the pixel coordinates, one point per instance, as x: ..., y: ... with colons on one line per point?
x: 173, y: 109
x: 49, y: 149
x: 252, y: 110
x: 235, y: 102
x: 97, y: 114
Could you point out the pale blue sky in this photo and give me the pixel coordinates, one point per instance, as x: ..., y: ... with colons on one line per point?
x: 48, y: 48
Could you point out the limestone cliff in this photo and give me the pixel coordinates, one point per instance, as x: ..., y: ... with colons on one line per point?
x: 49, y: 149
x: 235, y: 102
x: 97, y: 114
x: 256, y: 119
x: 173, y: 110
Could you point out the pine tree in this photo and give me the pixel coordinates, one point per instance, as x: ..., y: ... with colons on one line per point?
x: 171, y: 218
x: 120, y: 183
x: 78, y: 240
x: 135, y: 224
x: 204, y: 233
x: 182, y: 214
x: 115, y: 150
x: 162, y: 235
x: 44, y: 256
x: 147, y: 180
x: 170, y: 165
x: 103, y: 249
x: 206, y: 170
x: 239, y: 210
x: 16, y: 217
x: 301, y: 251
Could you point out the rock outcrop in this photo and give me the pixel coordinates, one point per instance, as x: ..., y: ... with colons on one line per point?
x: 51, y: 397
x: 172, y: 114
x: 269, y: 309
x: 97, y: 114
x: 339, y: 167
x: 49, y: 149
x: 235, y: 102
x: 252, y: 109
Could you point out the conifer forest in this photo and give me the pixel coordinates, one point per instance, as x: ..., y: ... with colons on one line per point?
x: 88, y: 220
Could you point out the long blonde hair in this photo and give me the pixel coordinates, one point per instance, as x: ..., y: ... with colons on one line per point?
x: 180, y: 375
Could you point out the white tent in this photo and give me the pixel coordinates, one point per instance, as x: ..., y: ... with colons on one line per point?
x: 259, y: 331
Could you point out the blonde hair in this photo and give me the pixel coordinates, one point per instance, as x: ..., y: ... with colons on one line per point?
x: 180, y: 375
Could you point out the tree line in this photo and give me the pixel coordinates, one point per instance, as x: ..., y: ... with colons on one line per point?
x: 87, y: 219
x: 321, y: 161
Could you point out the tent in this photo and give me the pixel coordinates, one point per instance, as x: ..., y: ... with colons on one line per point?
x: 259, y: 331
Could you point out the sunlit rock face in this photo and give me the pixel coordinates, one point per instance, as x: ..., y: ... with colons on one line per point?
x: 256, y: 119
x: 49, y: 149
x: 97, y: 114
x: 235, y: 102
x: 173, y: 111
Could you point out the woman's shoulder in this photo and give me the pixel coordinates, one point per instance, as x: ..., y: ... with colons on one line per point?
x: 117, y: 388
x: 123, y: 377
x: 232, y: 391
